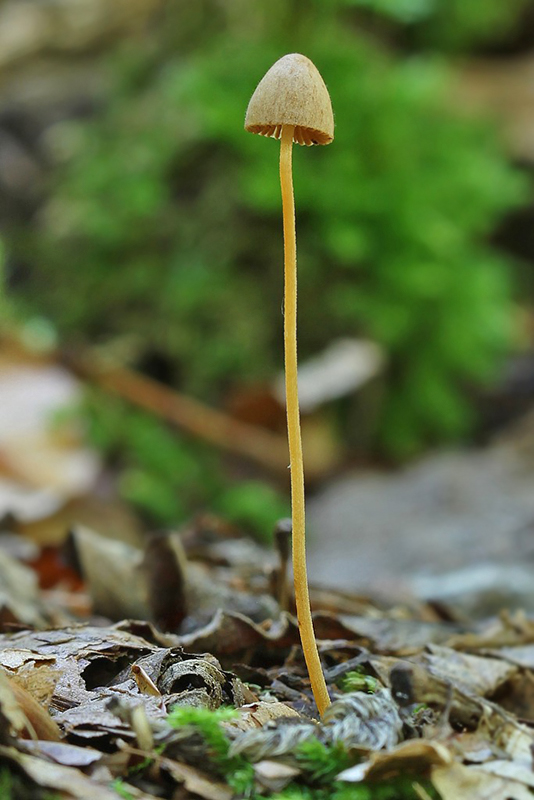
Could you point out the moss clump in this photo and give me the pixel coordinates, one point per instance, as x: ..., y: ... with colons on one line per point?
x: 237, y: 771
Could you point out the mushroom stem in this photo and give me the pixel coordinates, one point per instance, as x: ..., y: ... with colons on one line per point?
x: 302, y: 599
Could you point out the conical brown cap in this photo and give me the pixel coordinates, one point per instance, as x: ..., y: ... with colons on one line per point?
x: 292, y: 93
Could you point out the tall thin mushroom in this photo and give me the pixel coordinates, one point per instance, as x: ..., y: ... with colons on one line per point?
x: 291, y: 103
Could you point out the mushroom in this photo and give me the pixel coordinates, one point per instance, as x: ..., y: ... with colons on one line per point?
x: 291, y: 103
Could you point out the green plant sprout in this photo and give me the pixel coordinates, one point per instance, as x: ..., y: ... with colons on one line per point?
x: 291, y: 103
x: 121, y: 788
x: 358, y: 681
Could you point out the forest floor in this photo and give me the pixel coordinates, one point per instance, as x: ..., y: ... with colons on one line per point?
x: 455, y: 526
x: 170, y: 666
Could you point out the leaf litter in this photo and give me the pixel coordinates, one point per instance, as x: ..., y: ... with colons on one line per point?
x: 202, y: 693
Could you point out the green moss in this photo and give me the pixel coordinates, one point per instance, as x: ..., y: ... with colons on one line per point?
x: 404, y: 788
x: 449, y: 24
x: 238, y: 773
x: 164, y: 223
x: 254, y: 506
x: 167, y: 475
x: 14, y: 787
x: 320, y: 762
x: 6, y: 784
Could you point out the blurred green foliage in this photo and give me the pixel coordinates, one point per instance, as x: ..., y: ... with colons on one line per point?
x: 169, y: 476
x: 165, y: 219
x: 449, y: 24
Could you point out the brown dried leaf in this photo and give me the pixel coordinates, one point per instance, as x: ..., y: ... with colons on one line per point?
x: 68, y: 781
x: 17, y: 658
x: 274, y: 775
x: 39, y: 723
x: 384, y: 635
x: 274, y: 739
x: 233, y: 636
x: 522, y: 655
x: 112, y: 571
x: 363, y: 721
x: 413, y: 683
x: 256, y: 715
x: 415, y: 756
x: 517, y: 696
x: 81, y: 656
x: 69, y: 755
x: 458, y: 782
x: 509, y: 630
x: 474, y: 674
x: 19, y: 598
x: 195, y: 781
x: 12, y: 718
x: 94, y: 721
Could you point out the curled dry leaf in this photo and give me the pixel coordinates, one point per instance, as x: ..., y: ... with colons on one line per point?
x: 12, y: 718
x: 273, y: 775
x: 517, y: 696
x: 112, y: 571
x: 363, y: 721
x: 413, y: 684
x: 39, y: 723
x: 19, y: 597
x: 233, y: 636
x: 415, y: 757
x: 470, y: 673
x: 459, y: 782
x: 22, y: 714
x: 66, y: 781
x: 196, y: 782
x: 274, y: 739
x: 256, y: 715
x: 385, y: 635
x: 69, y: 755
x: 158, y: 583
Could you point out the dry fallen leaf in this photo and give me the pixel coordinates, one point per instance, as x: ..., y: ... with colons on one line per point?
x: 273, y: 775
x: 458, y: 782
x: 70, y: 782
x: 414, y: 756
x: 470, y: 673
x: 41, y: 467
x: 194, y: 781
x: 19, y: 598
x: 69, y: 755
x: 256, y: 715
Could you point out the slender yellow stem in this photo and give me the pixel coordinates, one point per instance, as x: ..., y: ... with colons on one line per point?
x: 302, y: 599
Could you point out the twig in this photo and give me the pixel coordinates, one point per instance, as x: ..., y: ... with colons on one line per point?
x: 263, y: 447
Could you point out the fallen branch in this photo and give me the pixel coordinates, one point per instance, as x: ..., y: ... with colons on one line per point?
x: 263, y: 447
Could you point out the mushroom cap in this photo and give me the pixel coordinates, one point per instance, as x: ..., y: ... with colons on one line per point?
x: 292, y: 92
